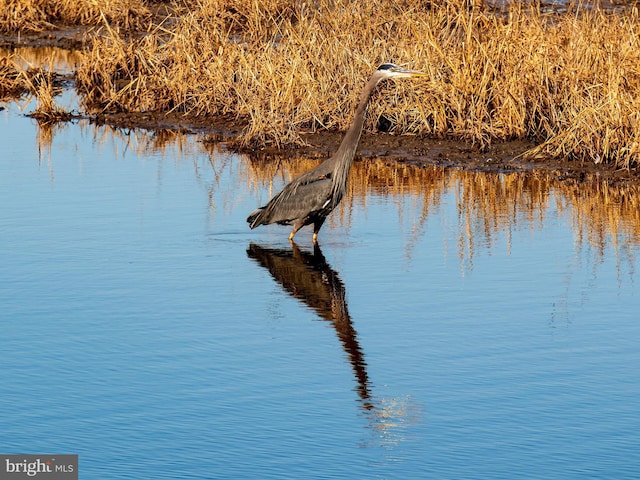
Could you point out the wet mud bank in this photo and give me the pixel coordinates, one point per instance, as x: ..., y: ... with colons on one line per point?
x: 499, y: 157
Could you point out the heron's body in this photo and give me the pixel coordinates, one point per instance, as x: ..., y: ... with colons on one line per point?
x: 312, y: 196
x: 304, y: 201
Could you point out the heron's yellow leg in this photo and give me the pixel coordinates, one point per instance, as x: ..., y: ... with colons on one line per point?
x: 293, y: 232
x: 315, y: 237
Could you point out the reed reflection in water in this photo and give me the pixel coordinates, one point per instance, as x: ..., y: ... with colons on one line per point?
x: 487, y: 205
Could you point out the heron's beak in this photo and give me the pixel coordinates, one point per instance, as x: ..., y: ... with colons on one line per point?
x: 404, y: 73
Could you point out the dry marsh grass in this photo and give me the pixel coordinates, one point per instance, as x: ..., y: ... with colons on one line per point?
x: 12, y: 80
x: 17, y: 77
x: 37, y: 15
x: 568, y: 80
x: 571, y: 81
x: 44, y: 86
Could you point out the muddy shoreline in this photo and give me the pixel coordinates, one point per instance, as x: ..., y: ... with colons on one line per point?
x: 499, y: 157
x: 504, y: 156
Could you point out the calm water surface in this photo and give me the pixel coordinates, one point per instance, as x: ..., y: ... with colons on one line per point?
x: 452, y: 325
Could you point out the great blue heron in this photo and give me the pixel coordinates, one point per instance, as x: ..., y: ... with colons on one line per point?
x: 313, y: 195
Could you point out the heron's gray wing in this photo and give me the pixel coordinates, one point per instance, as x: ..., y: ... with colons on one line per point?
x: 307, y: 194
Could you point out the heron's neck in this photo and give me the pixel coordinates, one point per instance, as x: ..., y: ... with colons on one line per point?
x: 347, y: 149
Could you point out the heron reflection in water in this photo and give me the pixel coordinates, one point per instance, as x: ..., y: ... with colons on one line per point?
x: 308, y: 277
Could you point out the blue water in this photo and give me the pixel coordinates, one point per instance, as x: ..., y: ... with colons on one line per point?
x: 147, y: 329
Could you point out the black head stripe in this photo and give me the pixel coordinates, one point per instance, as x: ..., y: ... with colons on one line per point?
x: 387, y: 66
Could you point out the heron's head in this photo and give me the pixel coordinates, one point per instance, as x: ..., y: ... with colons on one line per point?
x: 389, y: 70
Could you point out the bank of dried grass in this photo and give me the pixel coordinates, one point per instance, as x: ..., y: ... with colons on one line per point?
x: 38, y: 15
x: 568, y: 80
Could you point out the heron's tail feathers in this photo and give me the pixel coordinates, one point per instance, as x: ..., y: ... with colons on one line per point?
x: 254, y: 218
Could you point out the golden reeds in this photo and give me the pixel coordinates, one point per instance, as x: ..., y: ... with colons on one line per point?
x: 37, y: 15
x: 568, y: 80
x: 43, y: 85
x: 12, y: 82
